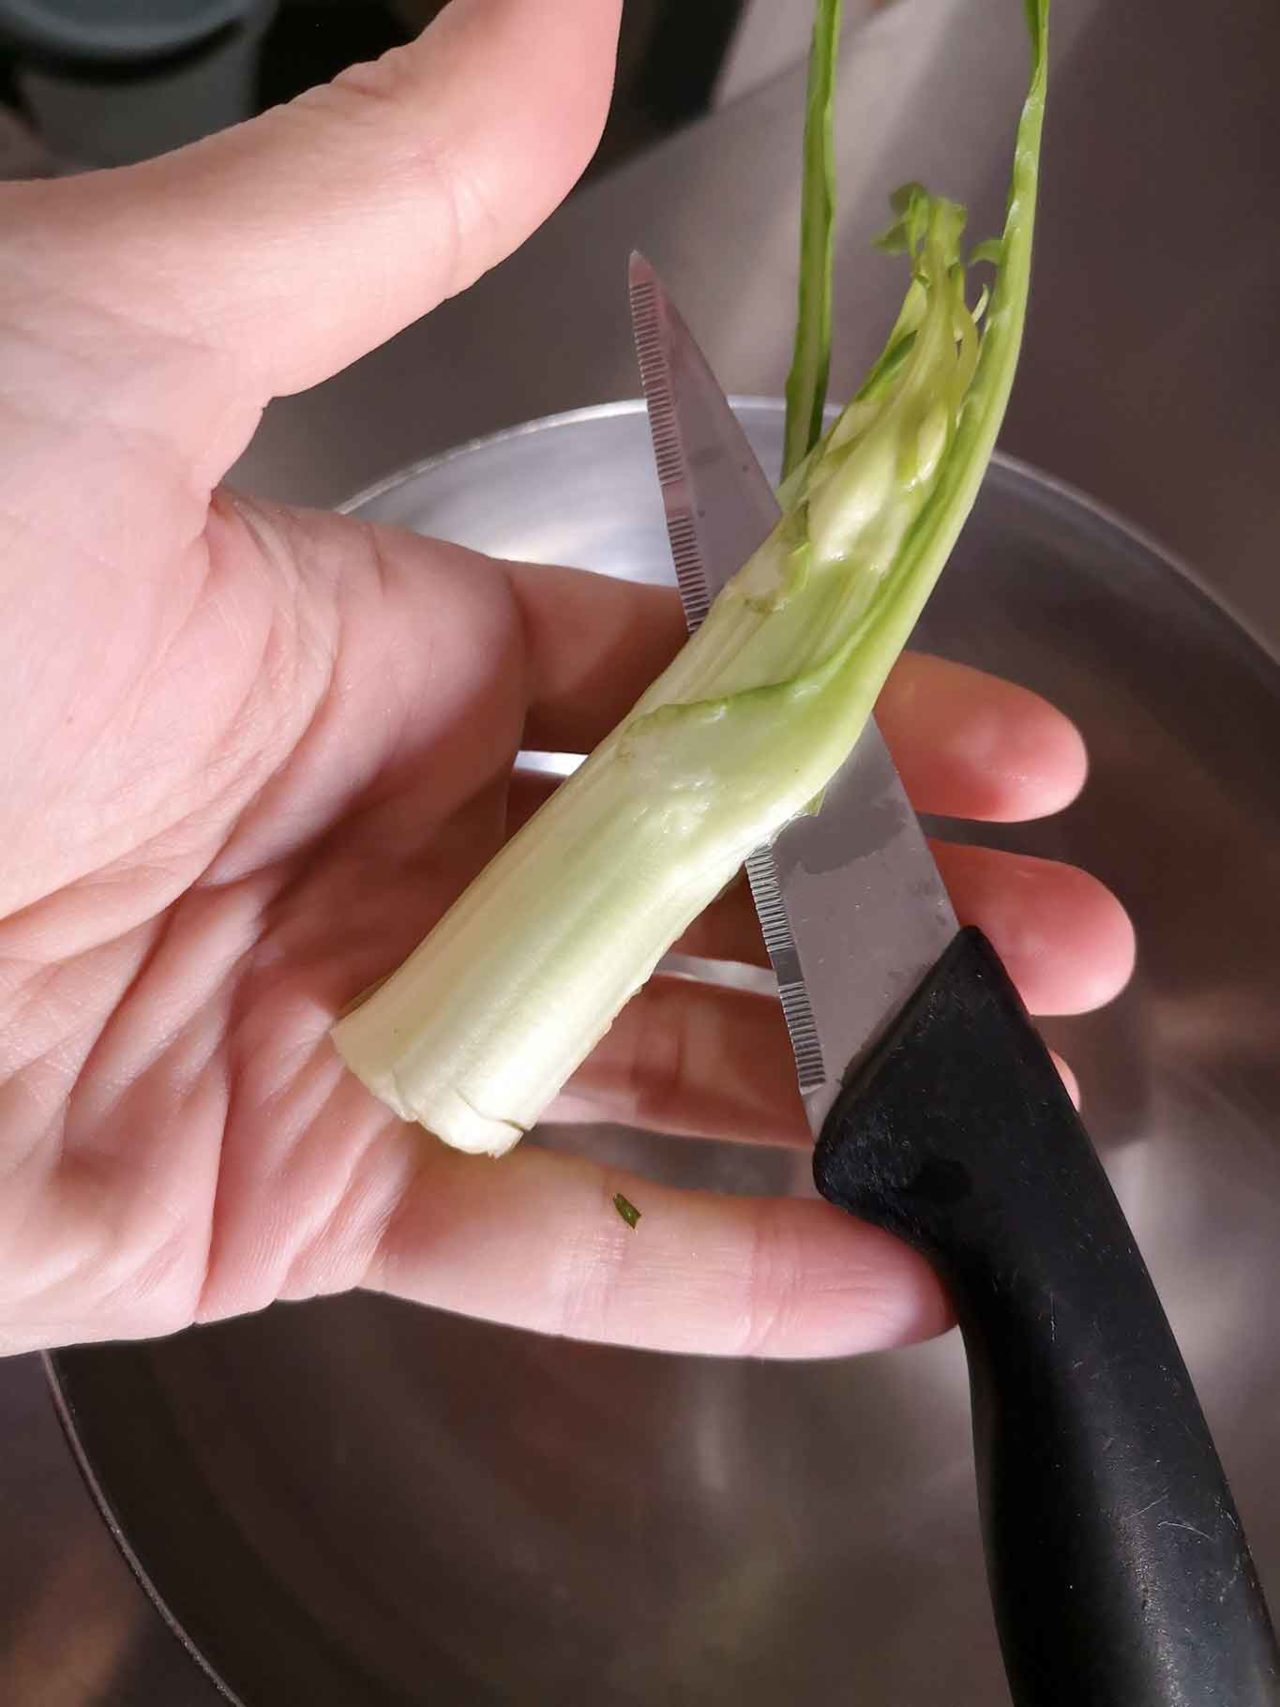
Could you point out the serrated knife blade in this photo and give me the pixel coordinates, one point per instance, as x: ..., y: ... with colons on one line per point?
x: 852, y: 907
x: 957, y: 1135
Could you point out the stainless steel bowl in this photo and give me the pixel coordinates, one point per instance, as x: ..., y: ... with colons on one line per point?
x: 359, y: 1502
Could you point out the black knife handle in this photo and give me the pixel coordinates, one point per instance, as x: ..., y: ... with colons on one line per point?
x: 1119, y: 1572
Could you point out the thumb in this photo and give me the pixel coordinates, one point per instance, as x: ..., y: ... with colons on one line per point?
x: 295, y: 243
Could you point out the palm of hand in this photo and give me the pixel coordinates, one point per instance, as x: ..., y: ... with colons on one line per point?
x: 262, y: 758
x: 251, y: 757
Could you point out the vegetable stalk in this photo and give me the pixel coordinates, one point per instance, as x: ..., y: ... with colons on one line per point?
x: 486, y: 1020
x: 811, y: 359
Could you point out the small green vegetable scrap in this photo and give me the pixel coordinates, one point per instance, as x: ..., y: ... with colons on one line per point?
x: 628, y: 1211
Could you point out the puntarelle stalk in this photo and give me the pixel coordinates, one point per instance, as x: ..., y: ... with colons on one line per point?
x: 476, y: 1033
x: 811, y: 358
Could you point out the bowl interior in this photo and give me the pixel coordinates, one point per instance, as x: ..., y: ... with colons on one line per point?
x: 357, y: 1502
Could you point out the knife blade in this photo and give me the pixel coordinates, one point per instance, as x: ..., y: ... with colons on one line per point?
x: 853, y: 883
x: 1119, y: 1572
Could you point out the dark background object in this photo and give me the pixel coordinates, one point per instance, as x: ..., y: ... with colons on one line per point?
x: 101, y: 84
x: 116, y: 29
x: 683, y: 55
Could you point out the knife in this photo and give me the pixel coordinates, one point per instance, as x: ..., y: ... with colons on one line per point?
x: 1119, y: 1572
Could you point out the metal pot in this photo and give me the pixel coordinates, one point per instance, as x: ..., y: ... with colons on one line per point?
x: 364, y: 1503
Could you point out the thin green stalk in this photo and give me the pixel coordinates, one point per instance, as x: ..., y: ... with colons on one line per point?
x: 811, y: 358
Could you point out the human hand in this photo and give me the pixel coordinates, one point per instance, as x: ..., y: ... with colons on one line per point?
x: 251, y: 754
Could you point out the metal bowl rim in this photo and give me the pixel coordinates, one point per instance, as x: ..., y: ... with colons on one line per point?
x: 1050, y: 484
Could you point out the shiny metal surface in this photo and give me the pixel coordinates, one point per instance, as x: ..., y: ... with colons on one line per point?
x: 869, y: 913
x: 1149, y: 378
x: 852, y: 885
x: 356, y: 1502
x: 718, y: 502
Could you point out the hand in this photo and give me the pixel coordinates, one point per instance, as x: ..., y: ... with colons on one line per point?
x: 251, y: 754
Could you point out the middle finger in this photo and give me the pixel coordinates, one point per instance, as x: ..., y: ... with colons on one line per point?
x: 1065, y: 940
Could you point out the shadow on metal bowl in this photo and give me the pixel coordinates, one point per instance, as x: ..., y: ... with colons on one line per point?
x: 363, y: 1503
